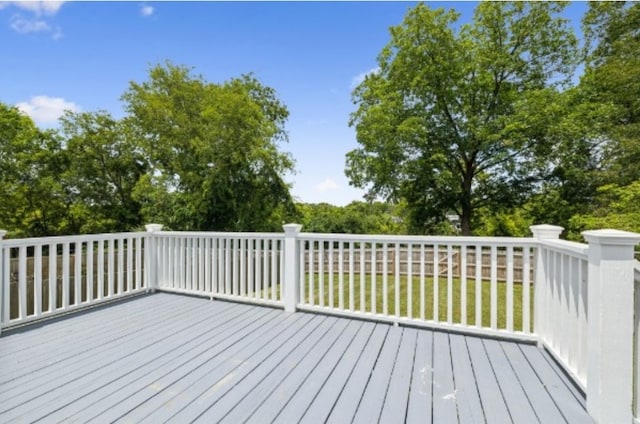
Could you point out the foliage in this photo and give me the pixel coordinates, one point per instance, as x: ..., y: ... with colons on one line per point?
x: 612, y: 77
x: 355, y: 218
x: 104, y: 166
x: 192, y: 155
x: 614, y: 207
x: 457, y: 119
x: 513, y: 223
x: 212, y: 151
x: 33, y: 202
x: 604, y: 178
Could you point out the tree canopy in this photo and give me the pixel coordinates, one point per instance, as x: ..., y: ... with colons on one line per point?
x: 457, y: 116
x: 190, y: 154
x: 485, y: 120
x: 212, y: 151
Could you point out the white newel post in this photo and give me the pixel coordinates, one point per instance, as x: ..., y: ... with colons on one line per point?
x: 152, y: 283
x: 3, y: 291
x: 541, y: 232
x: 291, y: 267
x: 610, y: 325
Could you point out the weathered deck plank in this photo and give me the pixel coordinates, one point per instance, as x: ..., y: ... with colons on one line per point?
x: 173, y: 358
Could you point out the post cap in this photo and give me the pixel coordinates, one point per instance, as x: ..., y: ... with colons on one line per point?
x: 152, y: 228
x: 292, y: 229
x: 611, y: 237
x: 546, y: 231
x: 2, y: 234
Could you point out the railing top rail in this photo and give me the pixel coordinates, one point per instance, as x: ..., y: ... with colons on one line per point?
x: 212, y: 234
x: 41, y: 241
x: 455, y: 240
x: 571, y: 248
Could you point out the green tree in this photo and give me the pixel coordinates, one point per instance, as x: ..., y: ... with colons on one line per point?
x: 33, y: 199
x: 212, y: 150
x: 612, y: 78
x: 599, y: 136
x: 104, y: 167
x: 354, y: 218
x: 457, y: 117
x: 574, y: 162
x: 614, y: 207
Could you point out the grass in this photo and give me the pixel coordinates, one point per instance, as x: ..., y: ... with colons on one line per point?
x: 353, y: 299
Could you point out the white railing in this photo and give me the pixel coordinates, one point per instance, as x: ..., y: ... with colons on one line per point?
x: 43, y: 277
x: 473, y: 284
x: 561, y: 305
x: 636, y: 342
x: 244, y: 267
x: 579, y: 301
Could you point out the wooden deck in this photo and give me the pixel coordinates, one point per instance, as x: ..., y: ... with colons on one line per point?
x: 180, y: 359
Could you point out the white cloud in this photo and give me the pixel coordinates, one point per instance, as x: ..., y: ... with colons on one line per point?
x: 146, y: 10
x: 34, y: 22
x: 358, y: 79
x: 38, y: 7
x: 45, y: 110
x: 327, y: 185
x: 25, y: 26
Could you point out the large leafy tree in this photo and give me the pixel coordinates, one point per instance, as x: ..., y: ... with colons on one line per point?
x: 457, y: 116
x: 212, y: 150
x: 105, y: 164
x: 604, y: 123
x: 33, y: 199
x: 612, y: 77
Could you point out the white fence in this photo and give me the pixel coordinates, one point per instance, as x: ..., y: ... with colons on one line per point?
x: 448, y: 282
x: 43, y: 277
x: 636, y: 340
x: 561, y: 315
x: 576, y: 300
x: 233, y: 266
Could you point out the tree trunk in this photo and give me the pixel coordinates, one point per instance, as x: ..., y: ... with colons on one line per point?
x: 466, y: 201
x: 465, y: 220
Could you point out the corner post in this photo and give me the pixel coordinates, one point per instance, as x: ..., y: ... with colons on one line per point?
x: 541, y: 277
x: 152, y: 256
x: 3, y: 291
x: 291, y: 267
x: 610, y: 325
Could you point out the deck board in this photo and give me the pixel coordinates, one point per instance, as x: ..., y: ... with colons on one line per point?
x: 515, y: 398
x: 395, y: 403
x: 221, y: 398
x: 322, y: 405
x: 375, y: 393
x: 444, y: 390
x: 419, y: 408
x: 171, y: 358
x: 467, y: 396
x: 132, y: 376
x: 308, y: 389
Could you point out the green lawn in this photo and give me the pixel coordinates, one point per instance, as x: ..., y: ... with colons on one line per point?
x: 428, y: 293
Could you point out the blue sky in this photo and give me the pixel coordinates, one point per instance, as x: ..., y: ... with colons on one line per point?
x: 82, y: 55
